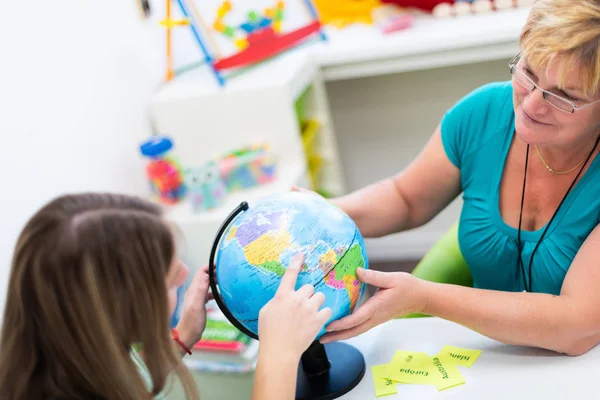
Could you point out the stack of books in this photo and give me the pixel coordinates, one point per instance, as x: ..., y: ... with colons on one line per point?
x: 223, y: 348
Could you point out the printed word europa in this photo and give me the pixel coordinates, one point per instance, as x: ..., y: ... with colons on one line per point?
x: 413, y: 372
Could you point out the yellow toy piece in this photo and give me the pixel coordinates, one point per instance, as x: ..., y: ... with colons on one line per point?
x: 171, y: 23
x: 340, y: 13
x: 241, y: 44
x: 219, y: 26
x: 223, y: 10
x: 269, y: 13
x: 227, y: 5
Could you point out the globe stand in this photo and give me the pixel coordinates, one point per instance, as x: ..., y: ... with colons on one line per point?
x: 329, y: 371
x: 325, y: 371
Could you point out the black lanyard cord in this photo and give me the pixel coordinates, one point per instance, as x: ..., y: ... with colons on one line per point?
x: 527, y: 283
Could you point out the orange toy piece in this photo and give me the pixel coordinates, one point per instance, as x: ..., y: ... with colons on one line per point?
x: 170, y: 23
x: 340, y: 13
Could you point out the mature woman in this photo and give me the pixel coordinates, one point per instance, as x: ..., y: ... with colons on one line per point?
x: 524, y: 155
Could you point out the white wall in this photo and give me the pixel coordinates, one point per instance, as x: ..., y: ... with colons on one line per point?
x: 73, y: 85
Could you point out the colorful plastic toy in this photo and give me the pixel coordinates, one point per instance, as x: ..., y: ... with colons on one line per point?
x: 255, y: 28
x: 257, y: 39
x: 248, y: 167
x: 206, y: 189
x: 163, y: 170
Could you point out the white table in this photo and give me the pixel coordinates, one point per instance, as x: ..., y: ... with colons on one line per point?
x: 501, y: 372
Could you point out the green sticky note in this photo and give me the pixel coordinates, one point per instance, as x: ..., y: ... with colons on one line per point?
x: 445, y: 375
x: 383, y: 386
x: 459, y: 356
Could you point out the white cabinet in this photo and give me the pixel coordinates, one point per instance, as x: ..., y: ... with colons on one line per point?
x: 259, y: 105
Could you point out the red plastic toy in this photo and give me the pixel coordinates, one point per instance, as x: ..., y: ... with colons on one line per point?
x: 426, y: 5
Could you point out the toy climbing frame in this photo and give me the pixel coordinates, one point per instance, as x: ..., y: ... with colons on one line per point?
x: 263, y: 39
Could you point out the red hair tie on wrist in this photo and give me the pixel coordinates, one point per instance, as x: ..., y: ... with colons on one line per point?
x: 175, y: 336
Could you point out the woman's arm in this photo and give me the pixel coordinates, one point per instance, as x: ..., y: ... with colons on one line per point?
x: 409, y: 199
x: 568, y: 323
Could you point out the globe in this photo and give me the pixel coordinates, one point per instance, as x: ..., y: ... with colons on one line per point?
x: 258, y: 244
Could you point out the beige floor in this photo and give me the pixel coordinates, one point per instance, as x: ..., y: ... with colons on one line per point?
x: 239, y: 387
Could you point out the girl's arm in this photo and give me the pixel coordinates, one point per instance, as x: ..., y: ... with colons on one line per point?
x: 287, y: 325
x: 275, y: 376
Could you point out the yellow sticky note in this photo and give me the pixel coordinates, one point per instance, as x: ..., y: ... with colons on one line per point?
x: 445, y: 375
x: 415, y: 371
x: 383, y: 386
x: 458, y: 356
x: 414, y: 358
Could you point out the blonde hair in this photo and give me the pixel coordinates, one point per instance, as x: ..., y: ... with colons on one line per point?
x: 87, y: 282
x: 569, y: 29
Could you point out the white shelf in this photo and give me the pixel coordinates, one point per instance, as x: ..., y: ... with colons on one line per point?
x: 360, y: 50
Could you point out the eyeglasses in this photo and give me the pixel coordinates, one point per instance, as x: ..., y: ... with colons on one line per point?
x: 554, y: 100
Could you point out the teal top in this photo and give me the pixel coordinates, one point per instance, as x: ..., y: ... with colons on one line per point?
x: 477, y: 133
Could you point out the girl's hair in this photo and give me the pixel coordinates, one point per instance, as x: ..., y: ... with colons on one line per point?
x: 87, y: 283
x: 569, y: 29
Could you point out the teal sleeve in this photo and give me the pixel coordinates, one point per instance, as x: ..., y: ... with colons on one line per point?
x: 464, y: 125
x: 450, y: 135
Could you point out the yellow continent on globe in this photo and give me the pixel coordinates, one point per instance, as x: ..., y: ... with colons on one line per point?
x: 267, y: 247
x: 328, y: 260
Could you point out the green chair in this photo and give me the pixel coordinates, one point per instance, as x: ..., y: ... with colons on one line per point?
x: 444, y: 263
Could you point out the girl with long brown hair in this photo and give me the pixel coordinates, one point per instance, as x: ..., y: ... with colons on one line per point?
x: 92, y: 276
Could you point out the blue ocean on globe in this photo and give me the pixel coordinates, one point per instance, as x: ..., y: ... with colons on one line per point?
x: 260, y: 243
